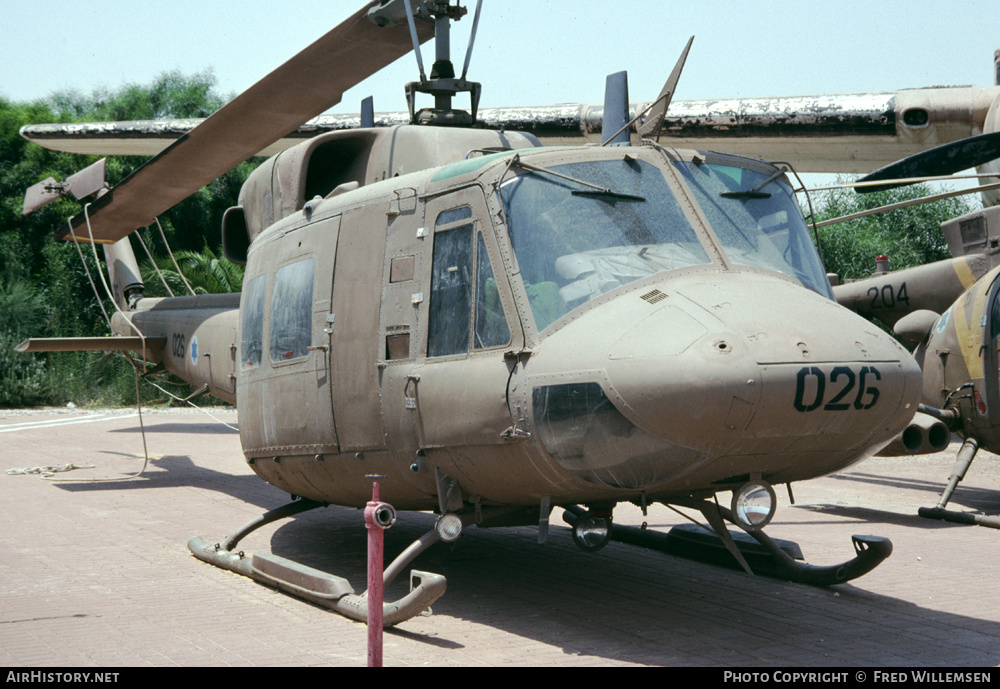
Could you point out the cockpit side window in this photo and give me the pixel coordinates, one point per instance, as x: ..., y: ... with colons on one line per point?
x: 491, y: 324
x: 462, y: 278
x: 451, y: 292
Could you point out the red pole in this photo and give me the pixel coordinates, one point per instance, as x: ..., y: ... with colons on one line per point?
x: 378, y: 517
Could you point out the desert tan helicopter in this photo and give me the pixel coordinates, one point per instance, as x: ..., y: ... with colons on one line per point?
x: 496, y: 326
x: 948, y: 310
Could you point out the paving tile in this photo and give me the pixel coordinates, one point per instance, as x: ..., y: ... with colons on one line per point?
x: 98, y: 574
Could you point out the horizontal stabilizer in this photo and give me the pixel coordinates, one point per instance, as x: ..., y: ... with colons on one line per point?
x: 42, y: 194
x: 89, y: 344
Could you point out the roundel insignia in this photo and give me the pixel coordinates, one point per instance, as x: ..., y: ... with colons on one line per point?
x: 980, y: 404
x: 194, y: 350
x: 943, y: 321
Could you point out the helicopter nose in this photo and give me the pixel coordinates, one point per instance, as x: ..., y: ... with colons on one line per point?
x: 742, y: 374
x: 751, y: 365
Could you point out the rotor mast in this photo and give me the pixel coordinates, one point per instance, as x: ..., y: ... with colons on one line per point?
x: 442, y: 83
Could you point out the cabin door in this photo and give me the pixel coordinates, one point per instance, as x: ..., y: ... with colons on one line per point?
x: 459, y: 393
x: 284, y: 380
x: 355, y: 352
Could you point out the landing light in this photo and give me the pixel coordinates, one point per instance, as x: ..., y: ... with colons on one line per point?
x: 754, y: 505
x: 591, y: 533
x: 449, y: 527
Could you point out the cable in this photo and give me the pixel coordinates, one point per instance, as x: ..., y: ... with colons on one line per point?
x: 152, y: 261
x: 181, y: 399
x: 145, y: 451
x: 171, y: 254
x: 86, y: 269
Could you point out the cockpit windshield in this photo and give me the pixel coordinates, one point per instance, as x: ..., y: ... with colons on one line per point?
x: 582, y: 229
x: 757, y: 220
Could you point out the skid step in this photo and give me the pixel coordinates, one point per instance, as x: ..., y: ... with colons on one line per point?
x: 326, y: 590
x: 681, y: 539
x: 298, y: 579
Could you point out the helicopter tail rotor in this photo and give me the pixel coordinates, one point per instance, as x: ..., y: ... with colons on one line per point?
x: 86, y: 182
x: 616, y: 108
x: 368, y: 113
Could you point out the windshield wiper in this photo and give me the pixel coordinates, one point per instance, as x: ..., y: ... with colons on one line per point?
x: 597, y: 189
x: 749, y: 194
x: 607, y: 192
x: 756, y: 192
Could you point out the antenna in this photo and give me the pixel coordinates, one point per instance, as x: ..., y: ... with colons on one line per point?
x: 616, y: 111
x: 368, y: 113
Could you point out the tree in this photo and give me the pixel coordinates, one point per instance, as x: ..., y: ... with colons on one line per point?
x: 203, y: 271
x: 909, y: 236
x: 45, y: 277
x: 171, y: 95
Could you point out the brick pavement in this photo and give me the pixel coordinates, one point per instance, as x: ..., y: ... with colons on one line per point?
x: 98, y: 574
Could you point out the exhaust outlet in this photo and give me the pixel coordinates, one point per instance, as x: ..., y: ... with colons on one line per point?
x: 924, y: 435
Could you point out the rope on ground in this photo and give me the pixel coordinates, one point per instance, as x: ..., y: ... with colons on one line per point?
x: 45, y: 472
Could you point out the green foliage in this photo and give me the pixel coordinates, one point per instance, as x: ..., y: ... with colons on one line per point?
x: 909, y: 236
x: 23, y: 379
x: 44, y: 289
x: 203, y: 271
x: 171, y: 95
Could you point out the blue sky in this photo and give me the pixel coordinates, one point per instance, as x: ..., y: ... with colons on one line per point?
x: 527, y: 52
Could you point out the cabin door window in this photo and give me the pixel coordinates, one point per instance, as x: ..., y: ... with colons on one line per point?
x: 291, y: 311
x: 252, y: 328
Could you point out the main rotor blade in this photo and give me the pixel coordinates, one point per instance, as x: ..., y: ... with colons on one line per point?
x: 943, y: 160
x: 311, y: 82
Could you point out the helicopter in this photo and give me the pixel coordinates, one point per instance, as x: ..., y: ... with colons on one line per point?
x: 495, y: 326
x: 949, y: 310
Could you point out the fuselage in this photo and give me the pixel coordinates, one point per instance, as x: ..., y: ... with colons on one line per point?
x: 577, y: 325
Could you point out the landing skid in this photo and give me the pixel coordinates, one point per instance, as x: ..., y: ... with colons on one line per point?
x: 761, y: 554
x: 962, y: 464
x: 327, y: 590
